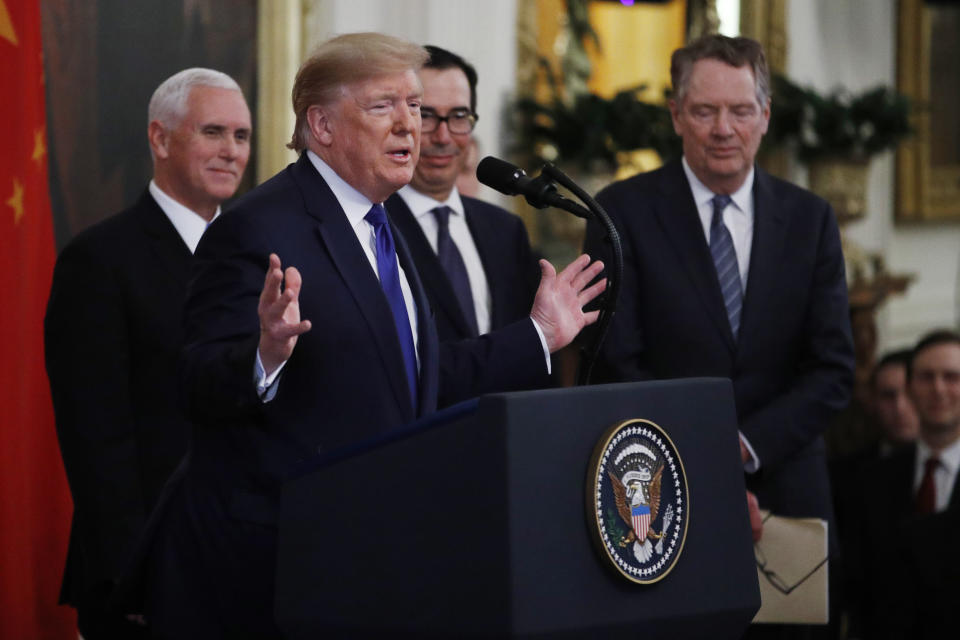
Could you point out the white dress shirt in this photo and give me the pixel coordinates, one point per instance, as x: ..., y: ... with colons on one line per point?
x: 738, y: 216
x: 189, y: 224
x: 421, y: 206
x: 945, y: 474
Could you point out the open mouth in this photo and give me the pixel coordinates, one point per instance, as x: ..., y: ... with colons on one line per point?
x: 400, y: 155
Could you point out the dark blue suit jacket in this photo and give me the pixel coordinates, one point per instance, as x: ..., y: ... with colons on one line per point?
x: 113, y: 335
x: 213, y: 553
x: 501, y: 240
x: 792, y: 366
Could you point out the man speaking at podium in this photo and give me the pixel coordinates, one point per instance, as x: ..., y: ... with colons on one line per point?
x: 337, y: 348
x: 733, y: 273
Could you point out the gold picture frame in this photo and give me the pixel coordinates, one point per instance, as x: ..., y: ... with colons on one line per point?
x: 928, y: 163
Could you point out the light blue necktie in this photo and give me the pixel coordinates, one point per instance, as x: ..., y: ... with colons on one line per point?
x: 725, y: 260
x: 390, y: 281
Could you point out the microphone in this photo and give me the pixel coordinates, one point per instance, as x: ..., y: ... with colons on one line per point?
x: 511, y: 180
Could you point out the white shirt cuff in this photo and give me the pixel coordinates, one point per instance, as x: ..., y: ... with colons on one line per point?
x: 543, y: 343
x: 266, y: 387
x: 753, y: 464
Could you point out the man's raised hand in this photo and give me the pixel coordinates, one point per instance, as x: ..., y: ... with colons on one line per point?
x: 279, y: 311
x: 558, y: 305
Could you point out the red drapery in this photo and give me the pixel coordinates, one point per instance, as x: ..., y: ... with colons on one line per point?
x: 35, y: 502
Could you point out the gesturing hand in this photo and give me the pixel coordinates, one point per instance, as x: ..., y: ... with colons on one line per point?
x: 558, y: 305
x: 279, y: 312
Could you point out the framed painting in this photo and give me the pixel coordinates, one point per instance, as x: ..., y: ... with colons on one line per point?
x: 928, y: 71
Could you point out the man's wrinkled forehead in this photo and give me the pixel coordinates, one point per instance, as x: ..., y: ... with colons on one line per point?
x: 403, y: 85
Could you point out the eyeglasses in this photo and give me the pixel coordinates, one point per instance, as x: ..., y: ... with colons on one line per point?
x: 458, y: 120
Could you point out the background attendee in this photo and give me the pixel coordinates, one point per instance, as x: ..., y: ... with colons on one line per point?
x: 890, y: 405
x: 893, y: 421
x: 114, y: 334
x: 279, y: 366
x: 734, y: 273
x: 908, y: 503
x: 474, y: 258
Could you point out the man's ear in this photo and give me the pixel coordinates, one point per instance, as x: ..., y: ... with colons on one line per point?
x: 321, y: 126
x: 159, y: 139
x: 674, y: 114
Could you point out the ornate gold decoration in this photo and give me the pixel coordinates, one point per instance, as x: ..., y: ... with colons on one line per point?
x: 766, y: 22
x: 927, y: 189
x: 279, y: 54
x: 842, y: 183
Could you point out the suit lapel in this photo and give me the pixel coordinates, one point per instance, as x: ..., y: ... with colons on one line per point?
x: 427, y: 341
x: 677, y: 213
x: 766, y: 253
x: 485, y: 238
x: 172, y: 252
x: 432, y: 275
x: 340, y: 242
x: 899, y: 493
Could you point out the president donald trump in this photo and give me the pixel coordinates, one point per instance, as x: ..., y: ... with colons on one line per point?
x: 339, y: 346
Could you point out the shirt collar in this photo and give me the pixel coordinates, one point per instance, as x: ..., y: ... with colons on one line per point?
x: 702, y: 194
x: 949, y: 457
x: 354, y: 204
x: 421, y: 204
x: 189, y: 224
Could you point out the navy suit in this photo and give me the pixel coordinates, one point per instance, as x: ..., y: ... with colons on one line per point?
x: 113, y: 334
x: 214, y: 545
x: 792, y: 365
x: 501, y: 240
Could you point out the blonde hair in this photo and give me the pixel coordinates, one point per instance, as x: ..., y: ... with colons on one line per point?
x: 353, y: 57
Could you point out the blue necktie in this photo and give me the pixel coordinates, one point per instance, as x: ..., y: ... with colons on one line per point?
x: 390, y: 281
x: 456, y: 270
x: 725, y: 260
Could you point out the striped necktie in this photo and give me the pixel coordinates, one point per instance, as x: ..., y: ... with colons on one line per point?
x: 725, y: 260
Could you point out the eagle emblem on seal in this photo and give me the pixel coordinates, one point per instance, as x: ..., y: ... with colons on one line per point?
x: 638, y: 500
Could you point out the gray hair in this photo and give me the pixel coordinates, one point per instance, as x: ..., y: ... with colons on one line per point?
x: 168, y: 105
x: 736, y: 52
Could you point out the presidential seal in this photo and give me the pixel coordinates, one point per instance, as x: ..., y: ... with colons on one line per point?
x: 637, y: 501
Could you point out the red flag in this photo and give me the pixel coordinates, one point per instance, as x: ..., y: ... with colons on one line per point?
x: 35, y: 505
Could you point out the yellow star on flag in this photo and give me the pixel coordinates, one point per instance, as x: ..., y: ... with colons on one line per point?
x: 16, y: 201
x: 39, y: 145
x: 6, y: 26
